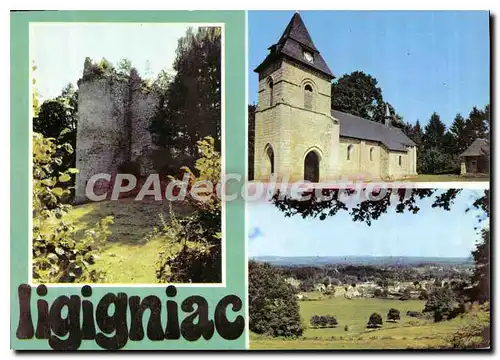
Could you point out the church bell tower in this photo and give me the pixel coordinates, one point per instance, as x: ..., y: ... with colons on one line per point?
x: 293, y: 123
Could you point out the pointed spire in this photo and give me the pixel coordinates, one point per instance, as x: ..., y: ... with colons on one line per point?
x: 296, y: 29
x: 295, y: 43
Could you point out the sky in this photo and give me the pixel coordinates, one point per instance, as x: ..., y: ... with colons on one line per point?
x: 59, y: 50
x: 424, y: 61
x: 429, y: 233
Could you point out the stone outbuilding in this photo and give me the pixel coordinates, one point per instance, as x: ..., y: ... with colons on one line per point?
x: 476, y: 159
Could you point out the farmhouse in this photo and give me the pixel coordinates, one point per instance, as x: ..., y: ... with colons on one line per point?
x: 476, y: 158
x: 297, y: 134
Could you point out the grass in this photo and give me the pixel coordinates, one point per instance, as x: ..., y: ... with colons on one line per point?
x: 407, y: 333
x: 127, y: 257
x: 447, y: 177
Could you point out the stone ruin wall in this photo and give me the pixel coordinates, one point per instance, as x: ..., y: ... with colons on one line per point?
x: 113, y: 119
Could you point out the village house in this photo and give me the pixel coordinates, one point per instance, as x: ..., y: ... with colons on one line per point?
x: 297, y: 134
x: 320, y: 287
x: 294, y: 282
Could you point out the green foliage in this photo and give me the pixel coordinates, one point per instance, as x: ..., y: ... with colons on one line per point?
x: 423, y: 295
x: 161, y: 83
x: 57, y: 256
x: 374, y: 321
x: 393, y: 315
x: 358, y: 94
x: 323, y: 321
x: 475, y: 334
x: 436, y: 161
x: 190, y: 107
x: 125, y: 67
x: 307, y: 285
x: 434, y: 132
x: 440, y: 302
x: 198, y: 235
x: 35, y: 94
x: 459, y: 132
x: 57, y: 118
x: 481, y: 276
x: 104, y: 69
x: 273, y: 306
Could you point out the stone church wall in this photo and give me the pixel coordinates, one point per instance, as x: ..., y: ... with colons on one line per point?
x: 397, y: 170
x: 359, y: 163
x: 293, y: 132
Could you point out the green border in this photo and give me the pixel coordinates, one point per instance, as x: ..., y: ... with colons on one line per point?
x: 234, y: 160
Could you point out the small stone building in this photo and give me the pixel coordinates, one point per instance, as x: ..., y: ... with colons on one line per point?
x: 476, y: 159
x: 299, y: 137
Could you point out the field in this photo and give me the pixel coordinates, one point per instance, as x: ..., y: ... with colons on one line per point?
x: 407, y: 333
x: 127, y: 257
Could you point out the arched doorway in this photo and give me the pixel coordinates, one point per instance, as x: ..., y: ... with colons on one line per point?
x: 311, y: 167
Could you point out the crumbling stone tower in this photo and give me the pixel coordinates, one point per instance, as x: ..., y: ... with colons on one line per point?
x: 113, y: 120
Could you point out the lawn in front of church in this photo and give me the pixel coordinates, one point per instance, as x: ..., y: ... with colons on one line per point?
x: 448, y: 178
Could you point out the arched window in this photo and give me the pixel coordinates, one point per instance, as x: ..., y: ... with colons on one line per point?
x: 372, y: 150
x: 400, y: 160
x: 270, y: 157
x: 308, y: 97
x: 311, y: 167
x: 349, y: 152
x: 271, y: 92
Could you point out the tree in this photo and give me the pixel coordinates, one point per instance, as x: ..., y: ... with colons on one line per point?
x: 458, y: 130
x: 375, y: 321
x: 273, y: 306
x: 307, y: 285
x: 58, y: 255
x: 377, y: 293
x: 190, y: 108
x: 393, y: 315
x: 481, y: 275
x: 423, y: 295
x: 436, y: 161
x: 57, y: 118
x: 434, y: 132
x: 358, y: 94
x: 440, y: 301
x: 161, y: 83
x: 125, y: 67
x: 191, y: 246
x: 323, y: 321
x: 331, y: 202
x: 478, y: 124
x: 331, y: 320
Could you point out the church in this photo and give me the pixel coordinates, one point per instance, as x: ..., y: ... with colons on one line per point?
x: 297, y: 134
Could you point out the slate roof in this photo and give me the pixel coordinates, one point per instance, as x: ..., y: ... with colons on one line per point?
x: 292, y: 44
x: 356, y: 127
x: 479, y: 147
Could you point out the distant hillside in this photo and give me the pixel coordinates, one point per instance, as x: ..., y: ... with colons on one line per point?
x: 361, y: 260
